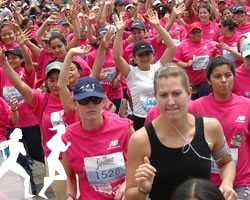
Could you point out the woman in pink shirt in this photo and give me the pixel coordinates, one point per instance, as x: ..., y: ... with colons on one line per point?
x: 98, y: 150
x: 209, y: 28
x: 230, y: 41
x: 233, y: 112
x: 193, y: 54
x: 46, y: 106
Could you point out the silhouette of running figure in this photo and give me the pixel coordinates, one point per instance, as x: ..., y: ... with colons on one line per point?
x: 56, y: 146
x: 10, y: 164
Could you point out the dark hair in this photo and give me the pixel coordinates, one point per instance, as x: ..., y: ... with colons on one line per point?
x: 25, y: 22
x: 168, y: 8
x: 226, y: 8
x: 57, y: 35
x: 77, y: 66
x: 3, y: 25
x: 204, y: 5
x: 216, y: 62
x: 199, y: 189
x: 228, y: 21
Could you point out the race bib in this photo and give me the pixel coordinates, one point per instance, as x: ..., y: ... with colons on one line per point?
x: 228, y: 55
x: 110, y: 73
x: 104, y: 170
x: 9, y: 91
x: 200, y: 62
x: 56, y: 118
x: 234, y: 154
x: 147, y: 101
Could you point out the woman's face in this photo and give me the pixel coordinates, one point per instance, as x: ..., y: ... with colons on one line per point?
x: 74, y: 75
x: 172, y: 97
x: 227, y: 12
x: 30, y: 25
x: 14, y: 60
x: 195, y: 35
x: 221, y: 81
x: 247, y: 62
x: 7, y: 35
x: 52, y: 82
x: 144, y: 60
x: 204, y: 15
x: 138, y: 34
x: 58, y: 48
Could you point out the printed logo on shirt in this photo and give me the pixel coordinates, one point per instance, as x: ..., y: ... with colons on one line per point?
x: 113, y: 144
x: 236, y: 140
x: 205, y: 47
x: 21, y: 75
x: 241, y: 119
x: 211, y: 31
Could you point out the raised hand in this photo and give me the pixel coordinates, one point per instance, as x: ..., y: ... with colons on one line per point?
x: 13, y: 103
x: 119, y: 23
x: 92, y: 15
x: 107, y: 39
x: 152, y: 17
x: 24, y: 36
x: 82, y: 50
x: 3, y: 58
x: 144, y: 176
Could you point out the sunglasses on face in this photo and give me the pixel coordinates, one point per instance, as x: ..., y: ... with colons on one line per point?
x: 94, y: 100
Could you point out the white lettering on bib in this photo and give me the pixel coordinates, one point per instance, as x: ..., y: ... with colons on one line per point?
x: 110, y: 72
x: 9, y: 91
x: 228, y: 55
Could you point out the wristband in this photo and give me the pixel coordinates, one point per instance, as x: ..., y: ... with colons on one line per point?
x: 70, y: 197
x: 141, y: 191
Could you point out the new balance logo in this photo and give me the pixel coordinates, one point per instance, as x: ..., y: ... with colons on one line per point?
x: 113, y: 144
x: 241, y: 118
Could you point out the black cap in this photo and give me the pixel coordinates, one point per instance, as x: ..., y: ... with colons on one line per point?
x: 141, y: 47
x: 15, y: 51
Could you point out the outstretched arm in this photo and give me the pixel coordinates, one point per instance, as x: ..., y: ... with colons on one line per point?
x: 21, y: 86
x: 120, y: 62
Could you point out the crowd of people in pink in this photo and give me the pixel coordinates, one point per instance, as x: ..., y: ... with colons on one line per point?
x: 154, y: 95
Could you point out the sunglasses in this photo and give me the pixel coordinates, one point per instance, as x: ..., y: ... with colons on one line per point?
x: 94, y: 100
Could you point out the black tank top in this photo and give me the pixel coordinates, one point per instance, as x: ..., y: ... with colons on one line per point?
x: 173, y: 166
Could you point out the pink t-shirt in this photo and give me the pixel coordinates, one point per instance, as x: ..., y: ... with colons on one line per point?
x: 233, y: 42
x: 242, y: 82
x: 49, y: 113
x: 234, y: 116
x: 5, y: 119
x: 200, y: 52
x: 210, y: 31
x: 99, y: 157
x: 153, y: 113
x: 7, y: 89
x: 111, y: 70
x: 244, y: 28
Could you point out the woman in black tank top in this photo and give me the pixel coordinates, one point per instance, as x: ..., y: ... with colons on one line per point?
x: 176, y: 146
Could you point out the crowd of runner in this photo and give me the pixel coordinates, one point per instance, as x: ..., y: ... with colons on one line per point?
x: 152, y: 93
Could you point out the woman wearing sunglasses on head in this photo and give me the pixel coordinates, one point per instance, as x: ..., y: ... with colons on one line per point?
x: 98, y: 151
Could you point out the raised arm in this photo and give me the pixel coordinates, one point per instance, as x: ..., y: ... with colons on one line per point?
x: 14, y: 109
x: 120, y: 62
x: 169, y: 53
x: 76, y: 29
x: 21, y: 38
x: 21, y: 86
x: 104, y: 45
x: 65, y: 95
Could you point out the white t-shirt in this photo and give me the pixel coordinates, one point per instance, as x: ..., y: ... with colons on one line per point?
x: 141, y: 85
